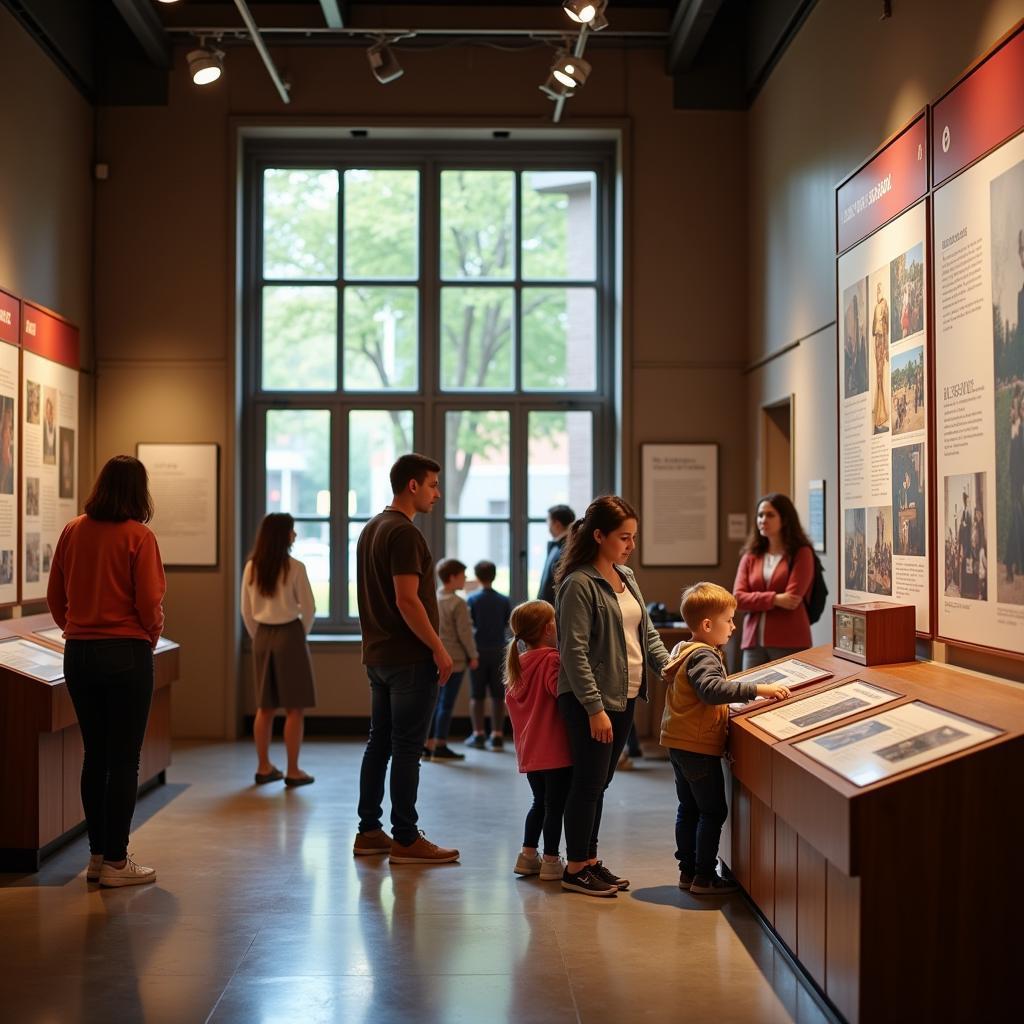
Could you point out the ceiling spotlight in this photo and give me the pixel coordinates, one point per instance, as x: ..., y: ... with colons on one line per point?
x: 205, y: 65
x: 587, y: 12
x: 383, y: 62
x: 554, y: 89
x: 570, y: 71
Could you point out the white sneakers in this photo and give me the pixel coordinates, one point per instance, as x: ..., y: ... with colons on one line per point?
x: 130, y: 874
x: 92, y: 872
x: 549, y: 870
x: 526, y: 865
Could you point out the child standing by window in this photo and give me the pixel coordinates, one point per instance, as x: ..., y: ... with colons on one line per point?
x: 542, y: 746
x: 490, y: 611
x: 694, y: 726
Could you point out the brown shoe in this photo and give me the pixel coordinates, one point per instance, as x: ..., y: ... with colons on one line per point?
x: 422, y: 851
x: 377, y: 841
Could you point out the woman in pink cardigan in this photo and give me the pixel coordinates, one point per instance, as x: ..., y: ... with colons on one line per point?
x: 772, y: 582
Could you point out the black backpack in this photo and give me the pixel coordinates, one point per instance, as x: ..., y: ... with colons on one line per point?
x: 817, y: 596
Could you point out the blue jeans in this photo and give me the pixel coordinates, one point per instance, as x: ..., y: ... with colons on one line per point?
x: 754, y: 656
x: 441, y: 723
x: 402, y: 703
x: 700, y: 787
x: 111, y: 687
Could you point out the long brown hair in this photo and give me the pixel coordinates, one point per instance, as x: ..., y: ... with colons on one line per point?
x: 793, y: 536
x: 528, y: 622
x: 270, y: 554
x: 121, y: 492
x: 606, y: 514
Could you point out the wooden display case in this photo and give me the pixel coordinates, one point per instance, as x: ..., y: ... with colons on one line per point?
x: 41, y: 751
x: 877, y: 890
x: 874, y: 632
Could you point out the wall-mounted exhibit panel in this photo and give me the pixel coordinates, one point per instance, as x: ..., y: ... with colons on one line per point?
x: 883, y: 416
x: 9, y: 327
x: 49, y: 442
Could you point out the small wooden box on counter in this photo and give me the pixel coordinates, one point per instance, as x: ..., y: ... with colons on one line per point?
x: 874, y: 632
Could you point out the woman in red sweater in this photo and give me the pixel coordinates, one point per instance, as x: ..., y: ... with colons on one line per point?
x: 772, y: 582
x: 542, y: 746
x: 106, y: 592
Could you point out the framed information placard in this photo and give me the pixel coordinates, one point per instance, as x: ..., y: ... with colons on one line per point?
x: 56, y: 636
x: 894, y: 741
x: 680, y: 504
x: 32, y: 659
x: 792, y: 672
x: 184, y: 482
x: 817, y: 709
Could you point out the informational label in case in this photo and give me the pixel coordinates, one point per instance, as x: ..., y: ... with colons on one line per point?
x: 56, y: 636
x: 894, y: 741
x: 32, y: 660
x: 821, y: 708
x: 791, y: 673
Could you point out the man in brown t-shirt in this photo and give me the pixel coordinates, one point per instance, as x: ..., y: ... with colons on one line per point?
x: 405, y: 661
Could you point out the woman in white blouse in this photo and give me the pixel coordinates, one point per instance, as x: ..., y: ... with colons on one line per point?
x: 278, y: 610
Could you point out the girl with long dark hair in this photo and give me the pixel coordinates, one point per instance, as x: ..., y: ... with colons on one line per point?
x: 278, y: 610
x: 106, y: 592
x: 607, y: 644
x: 773, y: 580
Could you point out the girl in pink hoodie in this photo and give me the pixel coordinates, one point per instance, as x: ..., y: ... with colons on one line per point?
x: 542, y: 747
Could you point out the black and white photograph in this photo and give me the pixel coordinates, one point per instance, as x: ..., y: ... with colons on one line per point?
x: 49, y: 426
x: 851, y: 734
x: 47, y: 556
x: 854, y: 570
x: 32, y: 402
x: 908, y: 505
x: 920, y: 744
x: 32, y: 496
x: 840, y: 708
x: 6, y: 566
x: 67, y: 462
x: 966, y: 540
x: 32, y: 557
x: 7, y: 441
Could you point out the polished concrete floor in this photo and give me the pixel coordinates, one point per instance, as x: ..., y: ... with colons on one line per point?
x: 261, y: 914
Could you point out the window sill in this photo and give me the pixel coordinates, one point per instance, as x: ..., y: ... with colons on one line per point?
x: 344, y: 639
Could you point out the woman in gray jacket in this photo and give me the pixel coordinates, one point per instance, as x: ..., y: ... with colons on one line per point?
x: 607, y: 644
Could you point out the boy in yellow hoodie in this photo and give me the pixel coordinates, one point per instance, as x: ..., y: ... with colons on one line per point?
x: 694, y: 728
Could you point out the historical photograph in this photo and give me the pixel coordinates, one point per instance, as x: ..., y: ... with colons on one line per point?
x: 853, y: 552
x: 1007, y: 195
x: 851, y: 734
x: 32, y: 496
x: 920, y: 744
x: 907, y: 376
x: 50, y: 426
x: 908, y: 504
x: 32, y: 402
x: 67, y: 462
x: 841, y: 707
x: 966, y: 542
x: 47, y: 556
x: 906, y: 284
x: 878, y: 286
x: 6, y: 444
x: 31, y: 557
x: 855, y: 339
x: 879, y: 549
x: 6, y: 566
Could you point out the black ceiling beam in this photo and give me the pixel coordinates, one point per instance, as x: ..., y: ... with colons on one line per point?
x: 147, y: 29
x: 690, y: 25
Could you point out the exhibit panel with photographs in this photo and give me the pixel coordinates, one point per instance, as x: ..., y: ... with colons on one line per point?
x: 979, y: 368
x: 8, y: 474
x: 819, y: 709
x: 49, y: 461
x: 895, y: 741
x: 883, y: 421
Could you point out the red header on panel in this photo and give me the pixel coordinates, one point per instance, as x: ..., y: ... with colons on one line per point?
x: 985, y: 109
x: 49, y: 336
x: 885, y: 186
x: 10, y: 318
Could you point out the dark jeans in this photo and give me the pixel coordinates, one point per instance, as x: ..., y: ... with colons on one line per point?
x: 754, y: 656
x: 111, y: 687
x: 633, y: 747
x: 593, y: 768
x: 489, y: 678
x: 550, y: 788
x: 402, y: 702
x: 441, y: 722
x: 700, y: 787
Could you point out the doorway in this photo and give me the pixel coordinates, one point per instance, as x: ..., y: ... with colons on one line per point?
x: 777, y: 447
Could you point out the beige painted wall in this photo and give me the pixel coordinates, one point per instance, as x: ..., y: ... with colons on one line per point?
x: 847, y: 83
x: 165, y: 289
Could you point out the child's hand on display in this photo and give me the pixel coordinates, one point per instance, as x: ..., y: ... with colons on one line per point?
x: 779, y: 691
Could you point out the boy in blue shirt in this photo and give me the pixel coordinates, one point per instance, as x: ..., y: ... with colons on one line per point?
x: 490, y: 612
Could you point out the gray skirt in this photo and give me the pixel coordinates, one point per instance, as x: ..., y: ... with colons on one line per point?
x: 283, y: 670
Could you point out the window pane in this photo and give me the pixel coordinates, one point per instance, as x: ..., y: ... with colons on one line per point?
x: 375, y: 440
x: 558, y: 225
x: 354, y: 529
x: 471, y: 542
x: 558, y: 339
x: 477, y: 339
x: 537, y: 538
x: 300, y: 338
x: 381, y: 338
x: 382, y: 224
x: 298, y: 461
x: 476, y: 474
x: 300, y: 224
x: 312, y: 547
x: 559, y: 461
x: 478, y: 225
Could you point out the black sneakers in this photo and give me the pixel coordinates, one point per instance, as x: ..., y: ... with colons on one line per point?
x: 476, y: 740
x: 588, y: 883
x: 606, y: 876
x: 446, y: 753
x: 713, y: 886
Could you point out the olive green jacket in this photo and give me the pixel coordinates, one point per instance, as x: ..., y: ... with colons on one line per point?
x: 591, y: 643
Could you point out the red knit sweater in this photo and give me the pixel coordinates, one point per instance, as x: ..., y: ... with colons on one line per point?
x: 781, y: 628
x: 540, y: 738
x: 107, y: 580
